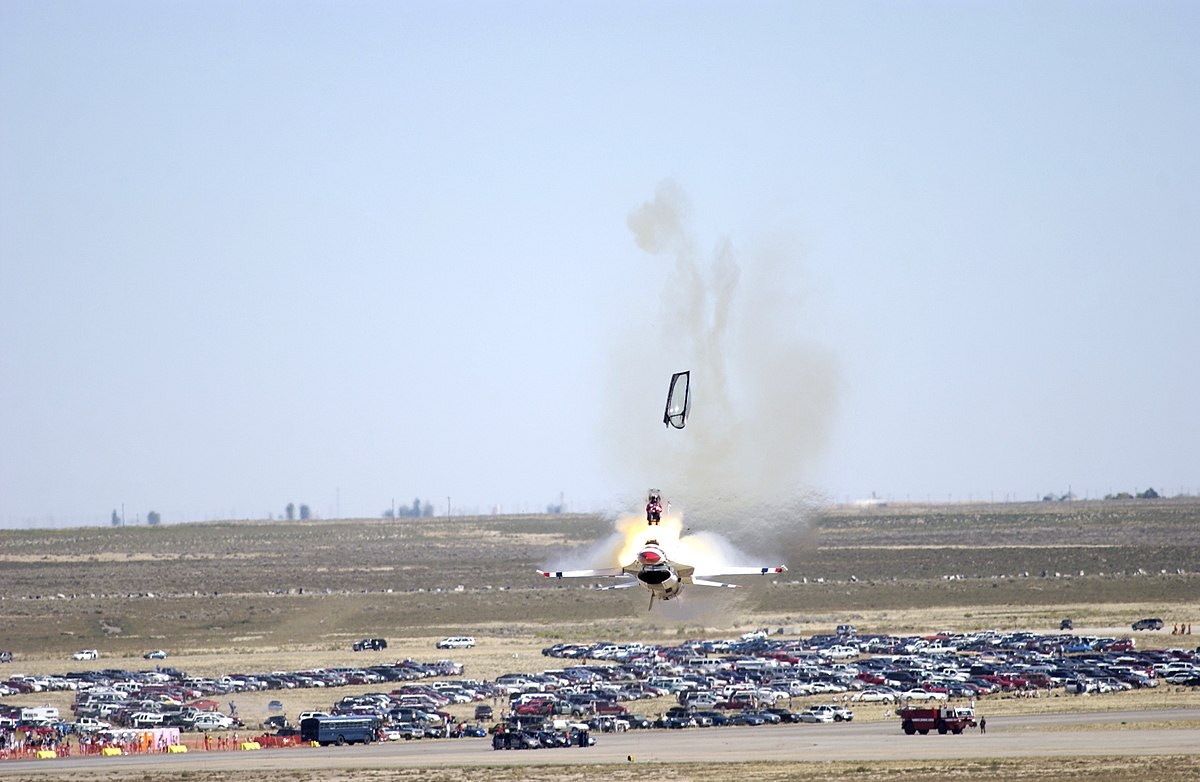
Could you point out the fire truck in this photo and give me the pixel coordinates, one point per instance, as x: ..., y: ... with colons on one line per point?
x: 943, y: 719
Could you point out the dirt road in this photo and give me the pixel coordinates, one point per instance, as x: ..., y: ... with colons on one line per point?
x: 1062, y: 735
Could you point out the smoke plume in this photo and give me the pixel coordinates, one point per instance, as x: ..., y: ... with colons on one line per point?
x: 764, y: 393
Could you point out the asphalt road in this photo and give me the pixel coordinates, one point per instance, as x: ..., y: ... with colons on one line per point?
x: 1052, y: 735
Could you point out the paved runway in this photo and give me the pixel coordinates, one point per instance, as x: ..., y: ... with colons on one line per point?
x: 1053, y: 735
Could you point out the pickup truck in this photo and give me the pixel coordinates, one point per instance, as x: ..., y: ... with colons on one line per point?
x: 91, y: 725
x: 86, y: 654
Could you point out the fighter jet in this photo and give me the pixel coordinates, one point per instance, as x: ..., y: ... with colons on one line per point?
x: 664, y: 578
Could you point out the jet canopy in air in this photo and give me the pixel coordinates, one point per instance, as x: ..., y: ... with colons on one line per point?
x: 679, y: 400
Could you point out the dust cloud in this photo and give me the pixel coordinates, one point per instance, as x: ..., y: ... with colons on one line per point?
x: 764, y: 392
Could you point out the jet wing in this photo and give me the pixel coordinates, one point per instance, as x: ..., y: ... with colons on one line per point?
x: 741, y: 571
x: 610, y: 572
x: 688, y: 575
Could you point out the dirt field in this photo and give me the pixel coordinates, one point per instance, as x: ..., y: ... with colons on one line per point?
x: 318, y: 585
x: 256, y: 596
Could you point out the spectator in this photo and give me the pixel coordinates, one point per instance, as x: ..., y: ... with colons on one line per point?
x: 983, y: 724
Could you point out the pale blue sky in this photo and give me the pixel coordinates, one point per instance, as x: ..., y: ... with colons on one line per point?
x: 336, y: 253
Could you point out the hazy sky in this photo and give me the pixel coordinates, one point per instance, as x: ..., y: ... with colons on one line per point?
x: 340, y: 253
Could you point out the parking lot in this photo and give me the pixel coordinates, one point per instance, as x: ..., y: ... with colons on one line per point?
x: 753, y: 681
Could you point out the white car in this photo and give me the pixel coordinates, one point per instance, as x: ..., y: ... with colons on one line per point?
x: 212, y: 721
x: 920, y: 694
x: 307, y: 714
x: 404, y: 731
x: 456, y: 642
x: 86, y: 654
x: 827, y: 712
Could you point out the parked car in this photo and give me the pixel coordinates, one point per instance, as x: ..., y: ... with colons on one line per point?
x: 1066, y: 624
x: 374, y: 644
x: 827, y: 712
x: 1148, y: 624
x: 786, y: 715
x: 610, y: 707
x: 816, y: 715
x: 157, y: 654
x: 91, y: 725
x: 86, y: 654
x: 716, y: 718
x: 747, y: 718
x: 638, y: 721
x: 405, y: 731
x: 212, y: 721
x: 456, y: 642
x: 5, y: 657
x: 770, y: 717
x: 148, y: 719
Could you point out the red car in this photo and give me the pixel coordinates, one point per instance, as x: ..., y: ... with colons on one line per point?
x: 610, y: 707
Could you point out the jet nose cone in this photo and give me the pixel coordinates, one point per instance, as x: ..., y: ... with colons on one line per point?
x: 650, y: 557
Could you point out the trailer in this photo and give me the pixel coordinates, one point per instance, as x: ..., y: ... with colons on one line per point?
x: 943, y: 719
